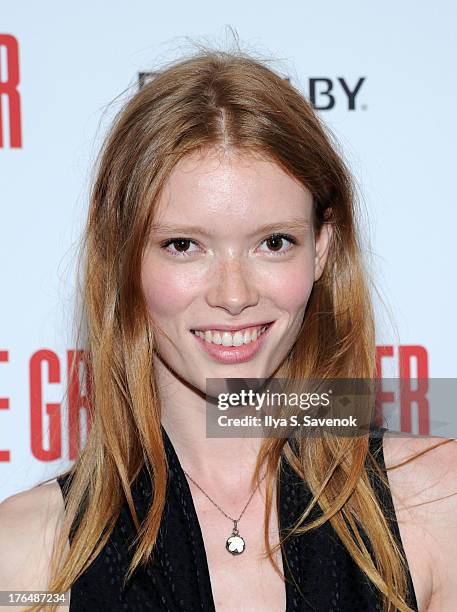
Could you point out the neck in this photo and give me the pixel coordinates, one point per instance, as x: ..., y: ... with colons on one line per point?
x: 228, y: 463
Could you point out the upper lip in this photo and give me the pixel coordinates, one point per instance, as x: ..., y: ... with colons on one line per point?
x: 231, y: 327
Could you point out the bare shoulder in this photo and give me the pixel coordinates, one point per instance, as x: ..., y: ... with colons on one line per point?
x: 29, y: 523
x: 424, y: 492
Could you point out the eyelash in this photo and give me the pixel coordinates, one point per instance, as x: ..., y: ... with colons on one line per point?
x: 288, y: 237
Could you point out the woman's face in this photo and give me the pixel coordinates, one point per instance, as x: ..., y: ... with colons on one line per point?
x: 211, y: 262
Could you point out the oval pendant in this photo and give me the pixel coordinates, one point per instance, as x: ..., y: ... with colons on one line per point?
x: 235, y: 545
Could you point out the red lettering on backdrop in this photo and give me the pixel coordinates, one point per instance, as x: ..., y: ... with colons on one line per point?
x: 53, y: 410
x: 4, y: 405
x: 8, y: 90
x: 408, y: 395
x: 418, y: 395
x: 382, y: 396
x: 77, y: 400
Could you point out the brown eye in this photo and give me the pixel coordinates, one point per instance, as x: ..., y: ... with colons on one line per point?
x: 275, y: 243
x: 181, y: 246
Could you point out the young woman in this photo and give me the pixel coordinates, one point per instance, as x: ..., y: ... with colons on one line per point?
x: 222, y: 242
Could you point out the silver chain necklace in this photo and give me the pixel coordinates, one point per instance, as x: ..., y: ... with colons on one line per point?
x: 235, y: 544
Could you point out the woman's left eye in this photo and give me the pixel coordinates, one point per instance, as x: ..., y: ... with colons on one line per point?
x: 277, y: 240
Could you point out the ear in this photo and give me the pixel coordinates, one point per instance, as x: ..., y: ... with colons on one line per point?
x: 323, y: 242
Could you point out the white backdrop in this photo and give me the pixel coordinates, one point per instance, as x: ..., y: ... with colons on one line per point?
x: 73, y: 61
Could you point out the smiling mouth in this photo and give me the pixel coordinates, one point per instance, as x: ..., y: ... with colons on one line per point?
x: 232, y: 339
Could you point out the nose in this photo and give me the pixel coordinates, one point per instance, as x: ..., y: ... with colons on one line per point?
x: 232, y: 286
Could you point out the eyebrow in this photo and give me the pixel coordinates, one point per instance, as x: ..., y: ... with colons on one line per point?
x: 291, y: 225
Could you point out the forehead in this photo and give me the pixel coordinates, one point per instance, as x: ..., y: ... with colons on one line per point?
x: 227, y: 187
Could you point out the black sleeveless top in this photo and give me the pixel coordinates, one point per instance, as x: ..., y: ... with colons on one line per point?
x: 320, y: 574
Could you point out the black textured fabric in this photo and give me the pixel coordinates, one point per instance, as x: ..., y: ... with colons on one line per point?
x: 320, y: 574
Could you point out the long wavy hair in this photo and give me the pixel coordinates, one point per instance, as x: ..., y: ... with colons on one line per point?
x: 207, y: 99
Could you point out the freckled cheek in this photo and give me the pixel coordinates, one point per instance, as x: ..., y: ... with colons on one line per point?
x: 290, y: 290
x: 167, y: 295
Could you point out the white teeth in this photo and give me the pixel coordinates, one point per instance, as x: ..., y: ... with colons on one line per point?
x: 228, y: 339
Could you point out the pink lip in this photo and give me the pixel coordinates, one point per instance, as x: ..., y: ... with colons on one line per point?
x: 233, y: 354
x: 232, y: 327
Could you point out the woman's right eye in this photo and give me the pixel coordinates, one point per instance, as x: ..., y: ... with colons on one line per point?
x: 182, y: 245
